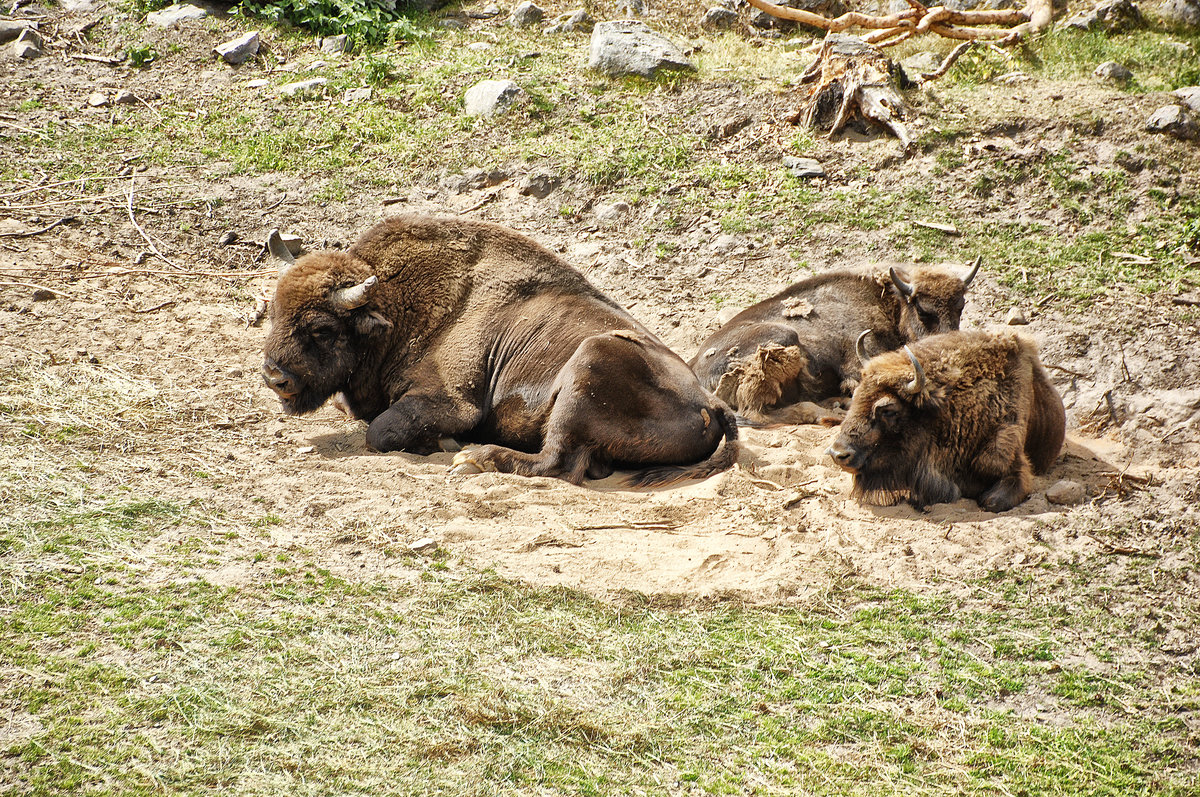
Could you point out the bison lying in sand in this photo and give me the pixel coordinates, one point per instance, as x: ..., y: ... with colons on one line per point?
x: 962, y: 414
x: 775, y: 359
x: 432, y: 327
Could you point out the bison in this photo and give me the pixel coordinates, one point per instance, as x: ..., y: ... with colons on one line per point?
x: 774, y: 360
x: 432, y: 327
x: 960, y: 414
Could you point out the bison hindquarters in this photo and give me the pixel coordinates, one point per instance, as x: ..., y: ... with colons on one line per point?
x: 622, y: 400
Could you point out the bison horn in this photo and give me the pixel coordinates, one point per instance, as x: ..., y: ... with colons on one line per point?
x: 860, y: 347
x: 356, y: 295
x: 279, y: 251
x: 905, y: 288
x: 974, y: 270
x: 917, y: 385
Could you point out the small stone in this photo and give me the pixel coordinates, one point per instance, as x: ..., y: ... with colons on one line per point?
x: 613, y: 212
x: 474, y: 179
x: 43, y: 295
x: 294, y: 243
x: 227, y: 238
x: 526, y: 15
x: 539, y: 185
x: 724, y: 243
x: 25, y: 50
x: 1065, y: 492
x: 489, y: 97
x: 571, y: 21
x: 11, y: 29
x: 918, y: 64
x: 306, y: 449
x: 719, y: 18
x: 239, y: 50
x: 1016, y: 317
x: 335, y: 45
x: 98, y: 99
x: 361, y: 94
x: 257, y: 83
x: 174, y: 14
x: 1175, y: 120
x: 424, y: 545
x: 804, y: 168
x: 315, y: 65
x: 302, y: 86
x: 479, y: 47
x: 1190, y: 96
x: 633, y: 8
x: 125, y: 97
x: 453, y: 23
x: 1113, y: 72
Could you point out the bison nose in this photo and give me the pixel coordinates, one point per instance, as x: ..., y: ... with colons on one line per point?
x: 278, y: 379
x: 841, y: 454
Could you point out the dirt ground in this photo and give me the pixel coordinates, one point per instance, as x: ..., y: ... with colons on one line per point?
x: 189, y: 420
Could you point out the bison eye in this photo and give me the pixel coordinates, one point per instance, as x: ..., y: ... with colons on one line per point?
x: 323, y: 334
x: 929, y: 319
x: 887, y: 415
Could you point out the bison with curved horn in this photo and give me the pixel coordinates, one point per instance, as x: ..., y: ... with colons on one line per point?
x: 432, y: 327
x: 961, y: 414
x: 775, y: 360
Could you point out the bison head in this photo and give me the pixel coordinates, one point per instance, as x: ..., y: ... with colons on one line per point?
x: 887, y: 431
x: 323, y: 325
x: 932, y: 299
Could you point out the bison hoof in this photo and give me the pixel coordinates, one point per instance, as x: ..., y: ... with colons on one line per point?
x: 464, y: 464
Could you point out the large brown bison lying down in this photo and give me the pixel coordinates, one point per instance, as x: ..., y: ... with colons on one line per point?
x: 962, y: 414
x: 435, y: 327
x: 774, y: 360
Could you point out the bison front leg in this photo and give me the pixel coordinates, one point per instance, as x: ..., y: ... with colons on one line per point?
x: 1004, y: 459
x: 416, y: 423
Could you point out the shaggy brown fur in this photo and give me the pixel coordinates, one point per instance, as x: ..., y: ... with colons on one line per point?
x: 817, y: 321
x: 980, y: 421
x: 434, y: 327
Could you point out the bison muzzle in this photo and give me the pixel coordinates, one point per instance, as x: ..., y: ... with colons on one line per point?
x: 433, y: 327
x: 960, y: 414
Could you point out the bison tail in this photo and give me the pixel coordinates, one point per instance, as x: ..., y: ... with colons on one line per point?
x: 722, y: 459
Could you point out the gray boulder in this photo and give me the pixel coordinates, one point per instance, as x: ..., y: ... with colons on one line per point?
x: 526, y: 15
x: 174, y: 14
x: 1111, y: 16
x: 627, y: 47
x: 490, y: 97
x: 804, y: 168
x: 1183, y: 13
x: 1113, y: 72
x: 1174, y: 120
x: 239, y: 50
x: 571, y: 21
x: 28, y: 45
x: 719, y: 18
x: 334, y: 45
x: 11, y: 29
x: 1190, y: 96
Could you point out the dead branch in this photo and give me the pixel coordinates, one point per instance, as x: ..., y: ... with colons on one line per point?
x: 137, y: 227
x: 948, y: 62
x: 31, y: 233
x: 35, y: 287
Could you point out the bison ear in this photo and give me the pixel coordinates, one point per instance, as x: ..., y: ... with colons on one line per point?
x: 371, y: 323
x: 280, y: 251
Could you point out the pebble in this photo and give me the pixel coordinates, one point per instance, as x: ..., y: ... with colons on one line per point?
x: 1065, y: 492
x: 302, y: 86
x: 1016, y: 317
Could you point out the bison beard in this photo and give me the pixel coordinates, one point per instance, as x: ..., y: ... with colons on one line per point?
x: 962, y: 414
x: 435, y: 327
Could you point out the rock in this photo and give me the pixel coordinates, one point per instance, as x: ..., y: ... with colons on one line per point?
x: 474, y: 179
x: 719, y: 18
x: 1176, y: 121
x: 727, y: 127
x: 1111, y: 16
x: 571, y: 21
x: 227, y: 238
x: 239, y: 50
x: 43, y: 295
x: 1183, y: 13
x: 826, y: 8
x: 804, y: 168
x: 539, y: 185
x: 334, y: 45
x: 724, y: 243
x: 174, y: 14
x: 315, y: 65
x: 1065, y: 492
x: 489, y: 97
x: 360, y: 94
x: 11, y: 29
x: 453, y: 23
x: 27, y: 45
x: 919, y: 63
x: 479, y: 46
x: 1113, y: 72
x: 626, y: 47
x: 633, y: 8
x: 314, y: 84
x: 1190, y: 96
x: 1182, y: 49
x: 613, y: 212
x: 257, y: 83
x: 526, y: 15
x: 1016, y: 317
x: 294, y: 243
x: 125, y: 97
x: 424, y: 545
x: 98, y: 99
